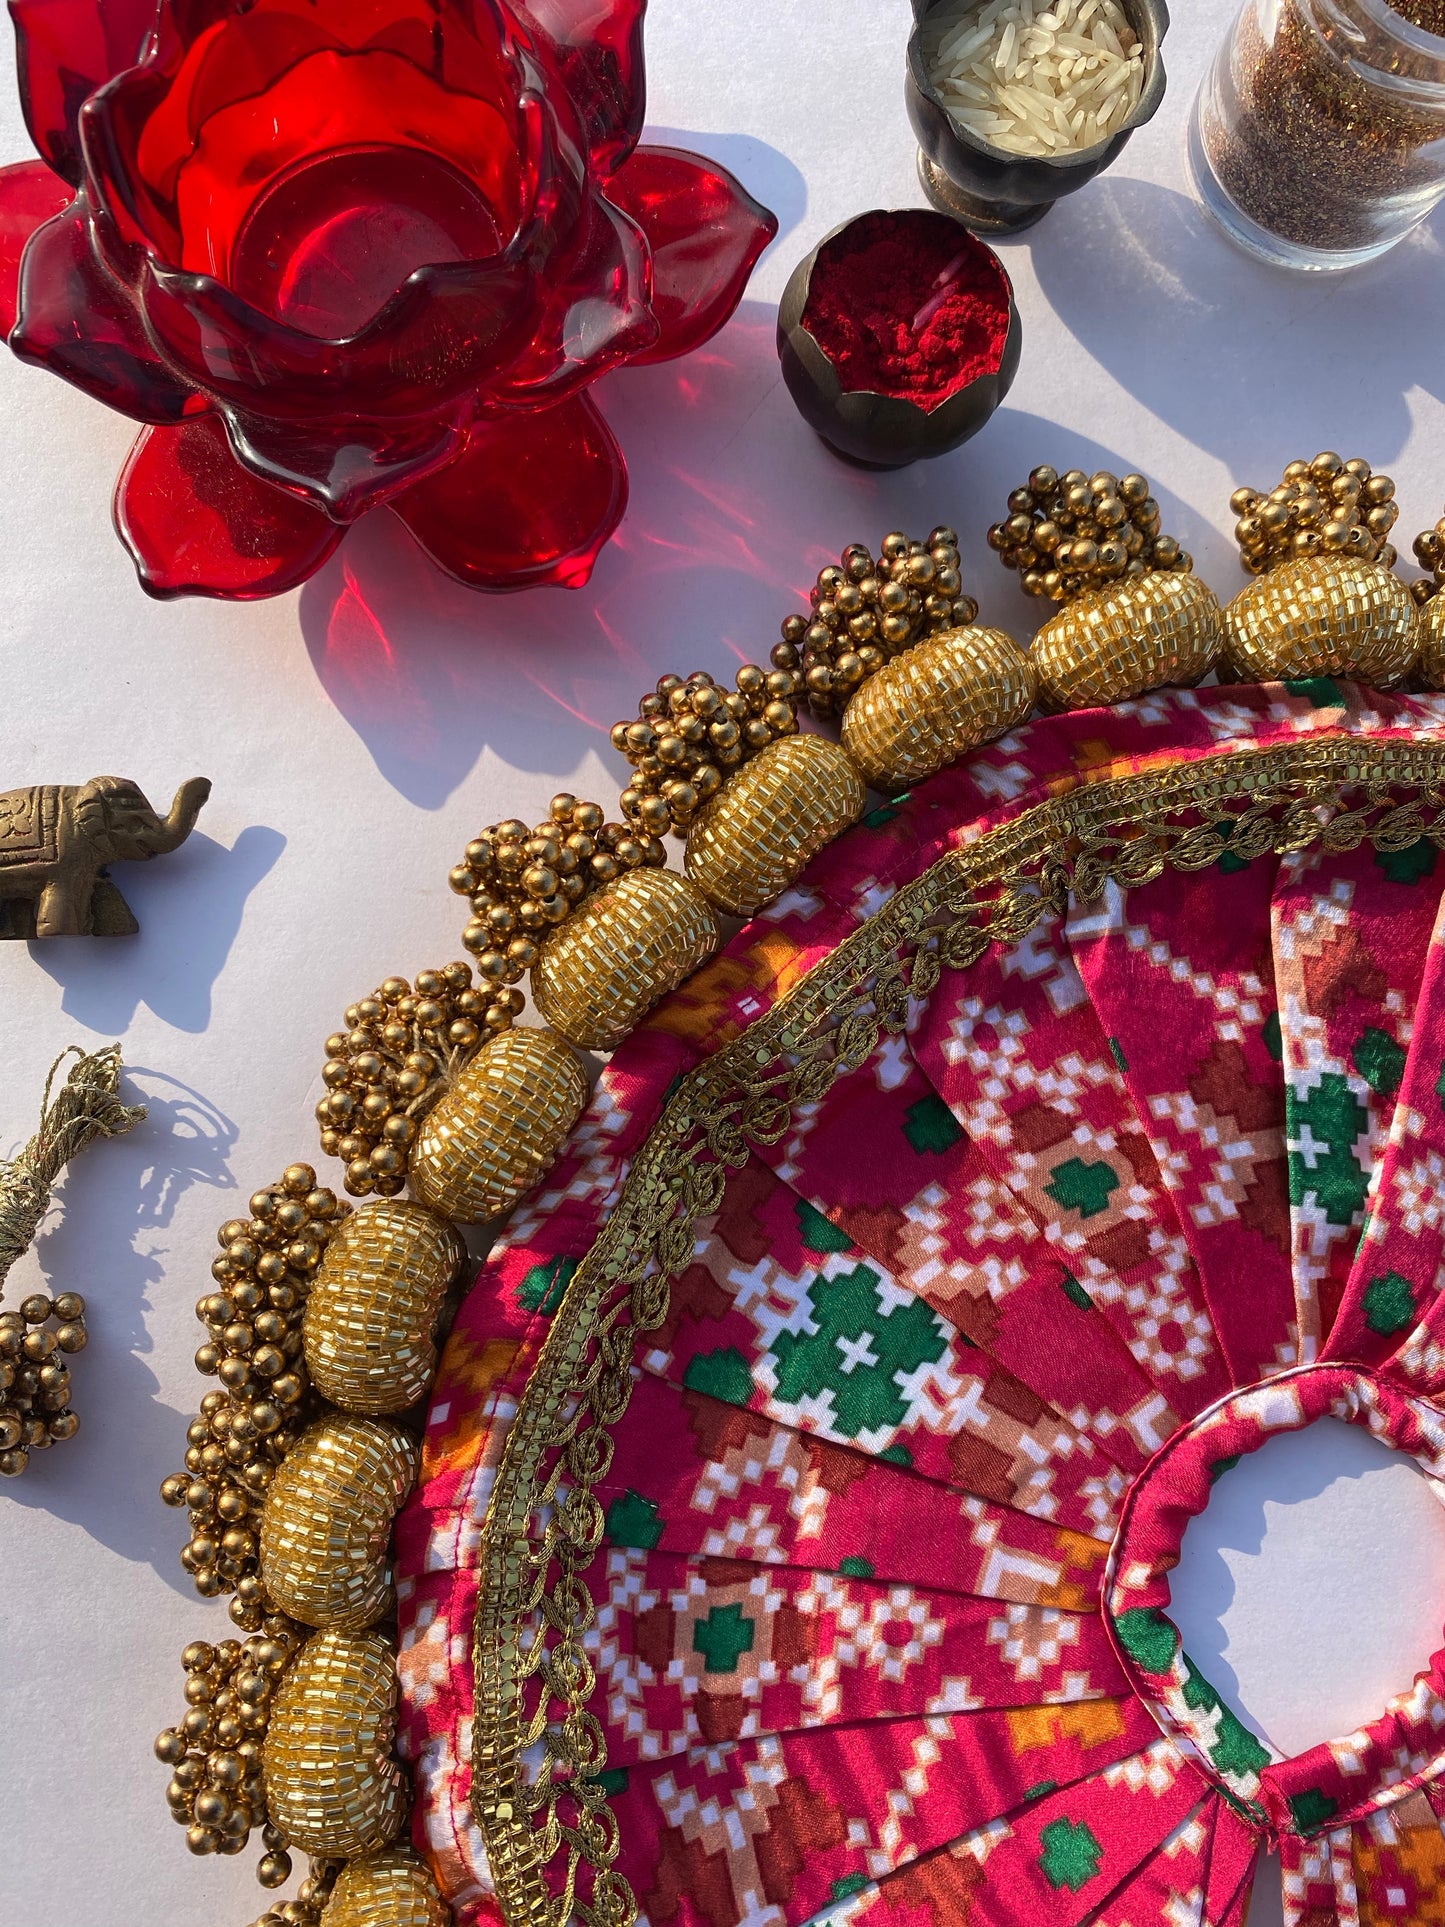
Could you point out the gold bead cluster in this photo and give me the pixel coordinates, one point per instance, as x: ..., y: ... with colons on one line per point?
x: 866, y: 610
x: 1429, y: 550
x: 34, y: 1377
x: 1071, y: 532
x: 391, y: 1063
x: 1327, y: 506
x: 254, y: 1346
x: 524, y: 882
x: 309, y: 1905
x: 217, y: 1790
x: 691, y: 733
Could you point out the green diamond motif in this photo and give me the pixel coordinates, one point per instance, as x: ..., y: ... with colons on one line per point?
x: 542, y: 1288
x: 847, y: 1885
x: 613, y: 1780
x: 1081, y: 1187
x: 1219, y: 1467
x: 818, y: 1233
x: 858, y: 1353
x: 931, y: 1127
x: 1071, y: 1854
x: 1389, y: 1304
x: 1312, y: 1809
x: 1149, y: 1639
x: 1412, y: 864
x: 634, y: 1521
x: 722, y: 1374
x: 1116, y: 1051
x: 1323, y: 1127
x: 856, y: 1568
x: 723, y: 1637
x: 896, y: 1455
x: 1379, y: 1060
x: 1273, y: 1037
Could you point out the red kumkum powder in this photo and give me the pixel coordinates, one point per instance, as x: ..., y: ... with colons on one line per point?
x: 909, y: 305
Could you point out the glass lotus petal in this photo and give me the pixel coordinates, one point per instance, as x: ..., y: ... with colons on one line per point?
x: 344, y: 254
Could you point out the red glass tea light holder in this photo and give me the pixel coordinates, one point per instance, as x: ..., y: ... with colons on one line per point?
x: 335, y: 258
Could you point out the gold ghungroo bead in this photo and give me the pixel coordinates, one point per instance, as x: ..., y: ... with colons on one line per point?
x: 771, y: 820
x: 866, y: 610
x: 927, y: 707
x: 1323, y: 507
x: 333, y: 1784
x: 500, y: 1126
x: 35, y: 1340
x: 1071, y: 532
x: 326, y: 1524
x: 390, y: 1889
x: 217, y: 1790
x: 371, y: 1317
x: 624, y: 949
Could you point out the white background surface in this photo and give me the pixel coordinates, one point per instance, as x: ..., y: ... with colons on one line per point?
x: 359, y: 731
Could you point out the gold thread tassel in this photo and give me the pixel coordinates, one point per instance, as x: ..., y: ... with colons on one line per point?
x: 87, y: 1106
x: 35, y: 1408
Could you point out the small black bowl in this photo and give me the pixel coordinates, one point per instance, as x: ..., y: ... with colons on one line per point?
x: 885, y: 431
x: 990, y: 189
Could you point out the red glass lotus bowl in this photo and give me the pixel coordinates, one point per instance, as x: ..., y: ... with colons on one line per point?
x: 340, y: 254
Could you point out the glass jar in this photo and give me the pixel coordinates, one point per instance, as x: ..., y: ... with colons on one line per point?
x: 1318, y: 137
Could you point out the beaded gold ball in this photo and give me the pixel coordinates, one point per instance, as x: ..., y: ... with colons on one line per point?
x: 1326, y: 601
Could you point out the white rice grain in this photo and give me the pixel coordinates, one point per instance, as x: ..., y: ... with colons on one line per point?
x: 1056, y: 80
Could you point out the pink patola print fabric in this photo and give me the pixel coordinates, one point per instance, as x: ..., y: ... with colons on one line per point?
x: 882, y: 1629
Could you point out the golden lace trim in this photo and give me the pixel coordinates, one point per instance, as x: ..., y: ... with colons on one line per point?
x: 538, y: 1749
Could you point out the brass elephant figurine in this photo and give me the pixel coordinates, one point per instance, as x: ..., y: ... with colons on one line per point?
x: 57, y: 841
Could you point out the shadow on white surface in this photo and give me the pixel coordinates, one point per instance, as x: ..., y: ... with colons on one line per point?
x: 189, y: 907
x: 109, y: 1240
x: 1248, y: 362
x: 735, y: 506
x: 1309, y: 1591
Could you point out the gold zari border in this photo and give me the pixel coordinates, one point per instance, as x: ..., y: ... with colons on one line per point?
x: 537, y: 1746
